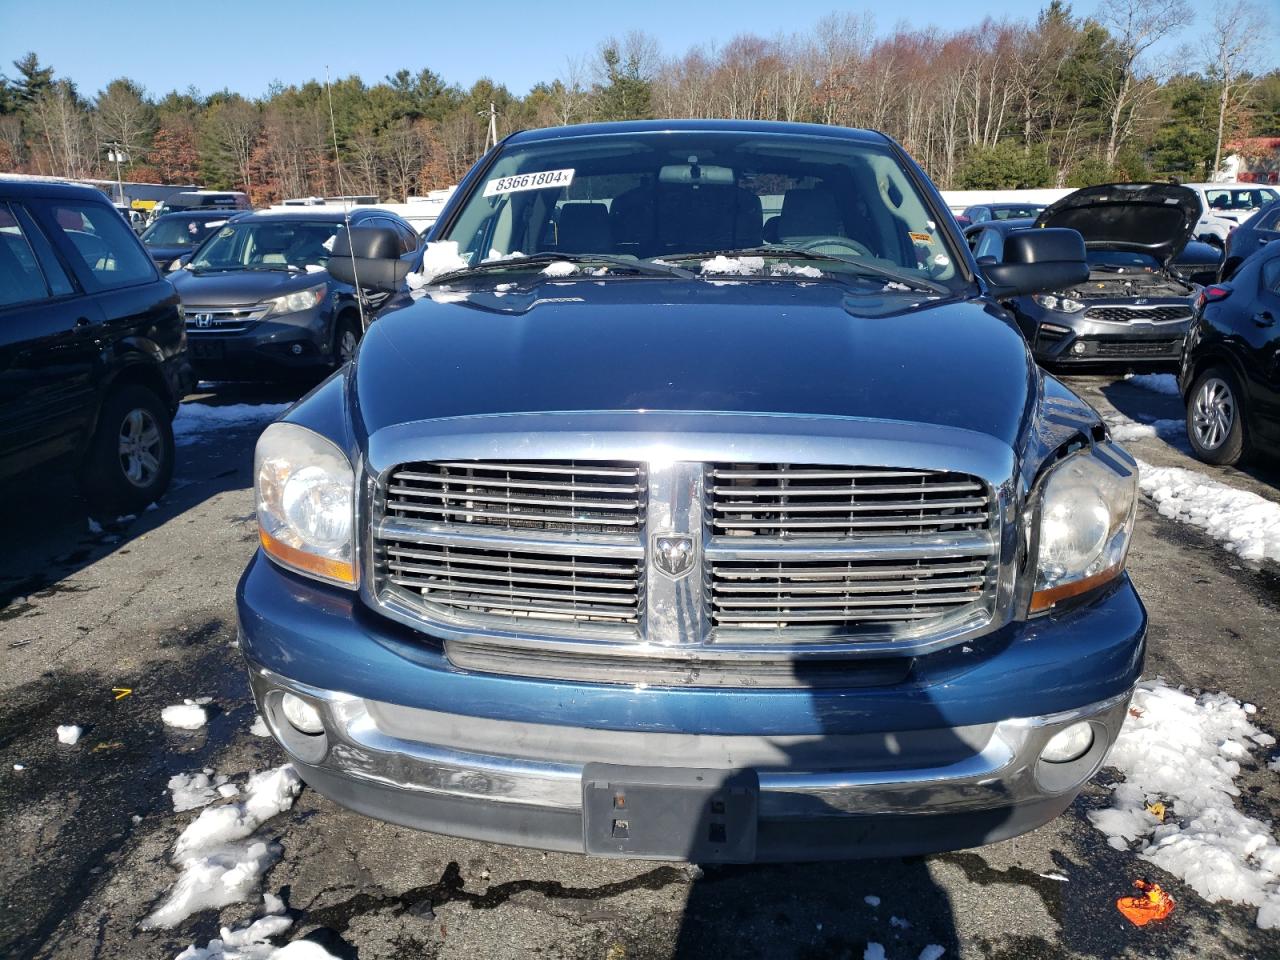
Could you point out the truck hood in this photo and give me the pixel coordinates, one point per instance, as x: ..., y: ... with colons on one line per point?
x: 239, y: 287
x: 760, y: 347
x: 1154, y: 218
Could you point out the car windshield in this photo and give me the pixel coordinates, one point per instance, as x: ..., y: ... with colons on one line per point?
x: 179, y: 232
x: 267, y: 245
x: 848, y: 205
x: 1239, y: 198
x: 1121, y: 259
x: 1015, y: 213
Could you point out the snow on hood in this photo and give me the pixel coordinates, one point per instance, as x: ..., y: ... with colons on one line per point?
x: 1154, y: 218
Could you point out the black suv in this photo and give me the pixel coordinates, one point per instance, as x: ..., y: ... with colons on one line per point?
x: 93, y: 359
x: 260, y: 302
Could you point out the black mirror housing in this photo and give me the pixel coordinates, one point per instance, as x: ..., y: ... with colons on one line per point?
x: 1037, y: 261
x: 368, y: 258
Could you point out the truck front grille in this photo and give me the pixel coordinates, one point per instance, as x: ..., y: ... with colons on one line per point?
x: 843, y: 596
x: 515, y: 585
x: 786, y: 500
x: 572, y: 496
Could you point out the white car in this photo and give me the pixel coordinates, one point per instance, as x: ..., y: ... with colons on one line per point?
x: 1224, y: 206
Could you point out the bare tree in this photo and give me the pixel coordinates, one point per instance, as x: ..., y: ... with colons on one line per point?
x: 234, y: 126
x: 1136, y: 26
x: 1233, y: 46
x: 63, y: 122
x: 569, y: 93
x: 122, y: 115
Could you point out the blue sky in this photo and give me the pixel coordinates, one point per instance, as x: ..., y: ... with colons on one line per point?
x: 245, y: 46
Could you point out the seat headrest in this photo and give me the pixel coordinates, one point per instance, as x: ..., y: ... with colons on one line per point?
x: 809, y: 212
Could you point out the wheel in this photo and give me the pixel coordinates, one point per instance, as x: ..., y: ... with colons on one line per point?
x: 129, y: 462
x: 346, y: 336
x: 1215, y: 420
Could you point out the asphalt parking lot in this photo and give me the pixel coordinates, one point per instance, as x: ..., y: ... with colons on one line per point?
x: 147, y: 606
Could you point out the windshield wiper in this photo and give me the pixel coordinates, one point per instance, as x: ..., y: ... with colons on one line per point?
x: 624, y: 264
x: 904, y: 277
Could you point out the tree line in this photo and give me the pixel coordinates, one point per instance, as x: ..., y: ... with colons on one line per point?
x: 1061, y: 100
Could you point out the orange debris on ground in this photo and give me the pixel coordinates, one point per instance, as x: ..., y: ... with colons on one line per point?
x: 1152, y: 904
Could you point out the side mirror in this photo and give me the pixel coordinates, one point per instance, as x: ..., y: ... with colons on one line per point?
x: 1037, y: 261
x: 368, y: 258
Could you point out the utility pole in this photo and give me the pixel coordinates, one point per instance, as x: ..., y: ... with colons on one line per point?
x: 116, y: 154
x: 491, y: 137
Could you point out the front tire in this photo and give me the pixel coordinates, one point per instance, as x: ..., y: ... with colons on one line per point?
x: 1215, y: 418
x: 346, y: 337
x: 130, y: 459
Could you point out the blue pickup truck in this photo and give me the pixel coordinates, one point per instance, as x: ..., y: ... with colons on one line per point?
x: 703, y: 504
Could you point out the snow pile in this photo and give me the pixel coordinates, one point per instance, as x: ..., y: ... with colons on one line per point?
x: 1165, y: 383
x: 252, y: 942
x: 187, y: 715
x: 1124, y: 430
x: 874, y: 951
x: 259, y: 728
x: 734, y: 266
x: 195, y: 419
x: 440, y: 257
x: 932, y: 952
x: 220, y: 859
x: 1246, y: 523
x: 1185, y: 752
x: 560, y: 268
x: 192, y: 790
x: 871, y: 900
x: 69, y: 734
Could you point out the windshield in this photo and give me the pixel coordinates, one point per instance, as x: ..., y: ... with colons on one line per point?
x: 1016, y: 213
x: 179, y: 232
x: 1239, y: 198
x: 668, y: 194
x: 1122, y: 259
x: 268, y: 245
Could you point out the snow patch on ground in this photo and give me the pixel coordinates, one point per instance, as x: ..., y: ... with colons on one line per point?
x: 252, y: 941
x: 259, y: 728
x: 874, y: 951
x: 196, y: 419
x: 440, y: 257
x: 1124, y: 430
x: 220, y: 859
x: 1244, y: 522
x: 871, y: 900
x: 187, y: 715
x: 1185, y: 751
x: 1165, y: 383
x: 69, y: 734
x: 932, y: 952
x: 193, y: 790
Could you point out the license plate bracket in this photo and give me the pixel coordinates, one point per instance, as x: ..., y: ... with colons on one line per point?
x: 670, y: 813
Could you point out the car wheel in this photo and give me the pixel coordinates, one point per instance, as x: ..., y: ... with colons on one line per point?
x: 345, y: 340
x: 130, y: 459
x: 1215, y: 419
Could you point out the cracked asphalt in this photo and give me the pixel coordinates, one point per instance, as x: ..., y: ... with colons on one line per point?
x: 148, y: 606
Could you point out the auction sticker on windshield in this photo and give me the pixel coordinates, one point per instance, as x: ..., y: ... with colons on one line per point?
x: 528, y: 181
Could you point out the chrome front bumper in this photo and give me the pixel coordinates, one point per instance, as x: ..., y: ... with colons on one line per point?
x: 492, y: 779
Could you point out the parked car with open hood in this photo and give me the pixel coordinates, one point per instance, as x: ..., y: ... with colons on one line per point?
x: 1230, y: 376
x: 176, y: 235
x: 259, y: 301
x: 1135, y: 306
x: 641, y: 535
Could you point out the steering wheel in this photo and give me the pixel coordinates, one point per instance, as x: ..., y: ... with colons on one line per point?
x: 852, y: 246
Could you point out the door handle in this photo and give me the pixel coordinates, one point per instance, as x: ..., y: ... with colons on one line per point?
x: 1264, y: 319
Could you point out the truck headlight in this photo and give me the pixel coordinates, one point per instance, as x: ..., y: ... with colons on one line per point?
x: 1086, y: 512
x: 297, y: 301
x: 1053, y: 302
x: 305, y: 491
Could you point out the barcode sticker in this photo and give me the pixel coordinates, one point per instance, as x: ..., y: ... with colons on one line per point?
x: 529, y: 181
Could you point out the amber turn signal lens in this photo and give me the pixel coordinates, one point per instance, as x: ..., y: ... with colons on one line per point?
x: 1042, y: 600
x: 307, y: 562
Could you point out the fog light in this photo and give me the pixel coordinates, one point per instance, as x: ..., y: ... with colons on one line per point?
x: 297, y: 349
x: 304, y: 717
x: 1078, y: 347
x: 1069, y: 743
